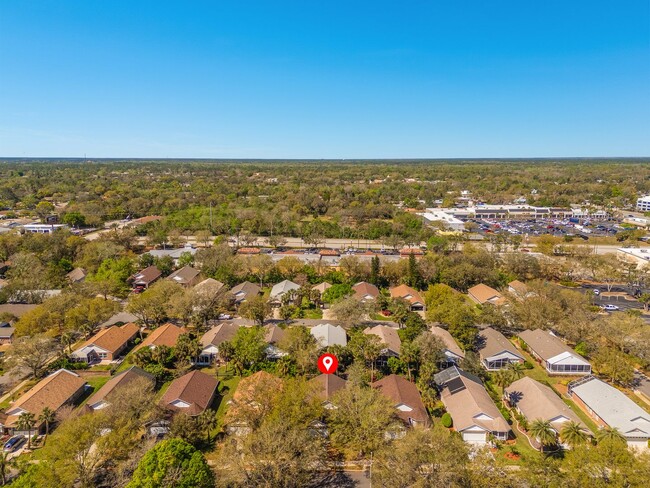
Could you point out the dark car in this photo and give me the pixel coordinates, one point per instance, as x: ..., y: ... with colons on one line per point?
x: 14, y: 443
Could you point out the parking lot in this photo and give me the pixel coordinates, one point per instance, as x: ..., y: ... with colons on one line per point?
x: 556, y: 227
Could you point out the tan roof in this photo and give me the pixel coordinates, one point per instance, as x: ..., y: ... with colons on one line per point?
x: 387, y: 335
x: 537, y: 401
x: 165, y: 335
x: 76, y: 275
x: 273, y: 334
x: 248, y: 250
x: 467, y: 400
x: 520, y: 288
x: 184, y: 275
x: 403, y: 393
x: 493, y: 342
x: 195, y: 388
x: 118, y: 381
x: 482, y: 294
x: 220, y: 333
x: 545, y: 344
x: 113, y: 338
x: 147, y: 275
x: 53, y: 392
x: 407, y: 293
x: 209, y: 285
x: 327, y: 385
x: 364, y: 288
x: 322, y: 287
x: 16, y: 309
x: 448, y: 340
x: 247, y: 289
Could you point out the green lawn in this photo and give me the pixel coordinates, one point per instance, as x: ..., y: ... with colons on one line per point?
x: 97, y: 382
x: 313, y: 313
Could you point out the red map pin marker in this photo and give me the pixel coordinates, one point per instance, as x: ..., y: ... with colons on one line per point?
x: 328, y: 363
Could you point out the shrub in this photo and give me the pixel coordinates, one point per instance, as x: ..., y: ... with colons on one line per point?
x: 528, y: 365
x: 446, y: 420
x: 582, y: 349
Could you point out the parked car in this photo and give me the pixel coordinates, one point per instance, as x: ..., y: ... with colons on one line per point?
x: 224, y: 316
x: 14, y: 443
x: 596, y: 291
x: 611, y: 308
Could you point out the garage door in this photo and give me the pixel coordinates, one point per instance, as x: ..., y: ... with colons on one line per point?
x: 474, y: 437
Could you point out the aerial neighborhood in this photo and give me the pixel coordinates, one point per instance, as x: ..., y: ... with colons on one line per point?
x: 124, y: 339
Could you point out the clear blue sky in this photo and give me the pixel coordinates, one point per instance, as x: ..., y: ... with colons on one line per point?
x: 325, y: 79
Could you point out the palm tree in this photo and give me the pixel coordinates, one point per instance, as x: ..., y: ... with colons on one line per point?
x: 503, y: 378
x: 543, y: 432
x: 208, y: 420
x: 26, y: 421
x: 573, y: 434
x: 516, y: 370
x: 609, y: 434
x: 5, y: 464
x: 47, y: 416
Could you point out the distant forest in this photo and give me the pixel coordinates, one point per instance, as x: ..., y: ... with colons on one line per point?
x: 348, y: 199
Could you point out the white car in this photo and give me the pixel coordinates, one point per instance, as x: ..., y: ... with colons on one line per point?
x: 596, y: 291
x: 611, y: 308
x: 224, y: 316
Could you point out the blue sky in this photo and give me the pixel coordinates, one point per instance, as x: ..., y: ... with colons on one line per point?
x: 324, y: 79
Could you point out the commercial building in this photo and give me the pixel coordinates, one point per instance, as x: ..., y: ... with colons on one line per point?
x: 643, y: 204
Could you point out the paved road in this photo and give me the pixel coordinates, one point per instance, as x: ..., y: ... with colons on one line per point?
x: 620, y: 301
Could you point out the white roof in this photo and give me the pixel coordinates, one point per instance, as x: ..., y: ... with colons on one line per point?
x: 567, y: 358
x: 329, y: 335
x: 281, y: 288
x: 616, y: 409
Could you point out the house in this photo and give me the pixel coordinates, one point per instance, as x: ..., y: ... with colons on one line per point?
x: 250, y: 399
x: 273, y: 335
x: 244, y: 291
x: 482, y: 294
x: 165, y: 335
x: 77, y: 275
x: 496, y: 352
x: 107, y: 344
x: 191, y: 394
x: 554, y: 354
x: 6, y: 333
x: 474, y: 414
x: 281, y: 289
x: 411, y: 251
x: 213, y: 338
x: 61, y: 388
x: 325, y: 386
x: 405, y: 397
x: 329, y: 335
x: 410, y: 295
x: 536, y: 401
x: 120, y: 318
x: 518, y: 289
x: 609, y: 407
x: 390, y: 340
x: 16, y: 309
x: 146, y: 277
x: 453, y: 353
x: 209, y: 287
x: 322, y: 287
x: 364, y: 291
x: 101, y: 398
x: 186, y: 276
x: 175, y: 254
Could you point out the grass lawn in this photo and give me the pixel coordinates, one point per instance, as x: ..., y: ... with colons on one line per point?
x: 97, y: 382
x: 227, y: 385
x: 313, y: 313
x: 378, y: 316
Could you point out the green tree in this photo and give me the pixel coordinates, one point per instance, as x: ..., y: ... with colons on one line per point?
x: 362, y: 418
x: 248, y: 348
x: 611, y: 434
x: 172, y: 462
x: 5, y: 465
x: 543, y: 432
x: 256, y: 309
x: 573, y: 434
x: 26, y: 422
x: 47, y: 417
